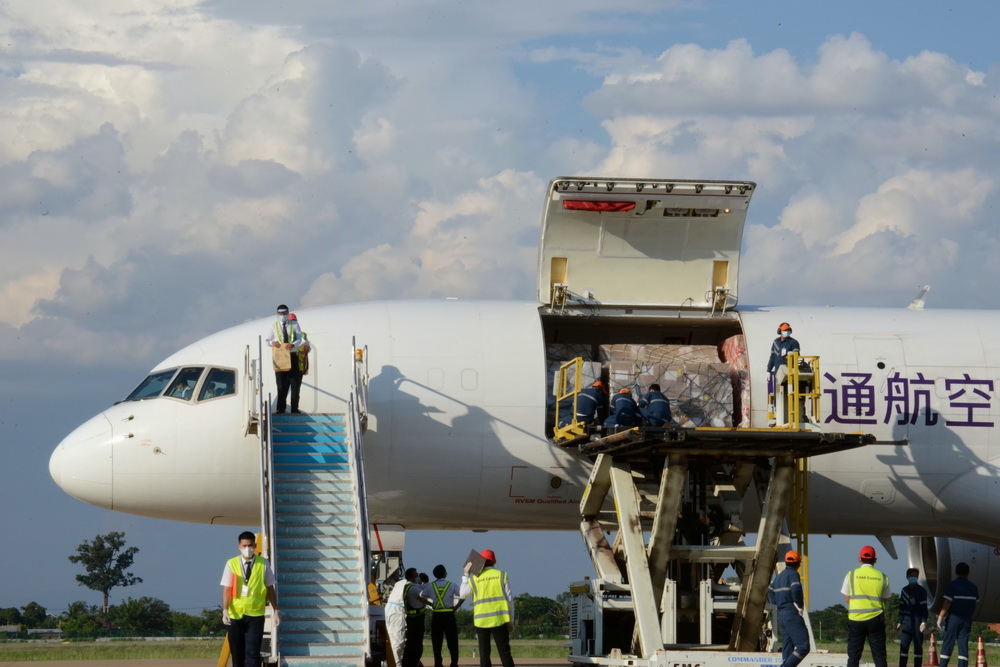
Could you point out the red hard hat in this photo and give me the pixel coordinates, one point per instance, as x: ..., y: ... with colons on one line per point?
x: 292, y: 317
x: 488, y: 555
x: 867, y: 553
x: 793, y: 557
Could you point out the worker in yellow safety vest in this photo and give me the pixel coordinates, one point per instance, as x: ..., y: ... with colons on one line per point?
x: 492, y: 608
x: 865, y: 591
x: 247, y: 587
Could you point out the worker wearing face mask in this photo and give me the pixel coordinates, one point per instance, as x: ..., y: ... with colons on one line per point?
x: 912, y: 619
x: 247, y: 587
x: 781, y: 346
x: 284, y: 332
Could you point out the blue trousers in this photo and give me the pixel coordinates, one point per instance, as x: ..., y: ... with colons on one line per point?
x: 910, y: 632
x: 956, y: 631
x: 794, y: 637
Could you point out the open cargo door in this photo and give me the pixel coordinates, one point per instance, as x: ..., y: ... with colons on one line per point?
x: 642, y: 243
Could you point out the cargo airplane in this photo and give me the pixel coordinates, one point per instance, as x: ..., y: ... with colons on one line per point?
x: 621, y: 262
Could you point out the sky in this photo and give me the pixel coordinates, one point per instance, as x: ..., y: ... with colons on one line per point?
x: 171, y: 169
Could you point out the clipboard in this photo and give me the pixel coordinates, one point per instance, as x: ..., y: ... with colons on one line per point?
x: 478, y: 562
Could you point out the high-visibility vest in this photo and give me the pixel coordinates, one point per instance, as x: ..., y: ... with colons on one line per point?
x: 439, y: 604
x: 252, y: 604
x: 410, y: 611
x: 866, y: 598
x: 490, y: 608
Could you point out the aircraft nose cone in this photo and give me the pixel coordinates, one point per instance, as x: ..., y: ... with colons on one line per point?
x: 81, y: 464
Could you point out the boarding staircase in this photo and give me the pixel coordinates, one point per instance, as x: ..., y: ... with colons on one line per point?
x: 315, y: 512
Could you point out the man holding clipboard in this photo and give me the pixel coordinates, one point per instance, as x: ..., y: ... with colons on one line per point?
x: 492, y: 605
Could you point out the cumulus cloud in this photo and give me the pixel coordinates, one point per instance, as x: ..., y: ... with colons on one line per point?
x: 202, y: 156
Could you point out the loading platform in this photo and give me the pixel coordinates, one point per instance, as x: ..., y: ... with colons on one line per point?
x: 679, y: 501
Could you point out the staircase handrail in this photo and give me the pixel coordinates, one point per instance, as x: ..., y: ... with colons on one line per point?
x: 357, y: 418
x: 266, y: 463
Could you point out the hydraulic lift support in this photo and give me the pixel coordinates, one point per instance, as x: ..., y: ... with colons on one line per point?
x: 684, y: 488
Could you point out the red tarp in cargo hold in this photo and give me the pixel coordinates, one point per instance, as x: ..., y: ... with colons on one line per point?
x: 581, y: 205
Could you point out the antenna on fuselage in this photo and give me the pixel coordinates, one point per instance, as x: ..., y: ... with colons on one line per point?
x: 918, y: 302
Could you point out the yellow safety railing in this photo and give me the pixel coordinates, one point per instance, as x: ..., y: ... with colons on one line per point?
x: 565, y: 389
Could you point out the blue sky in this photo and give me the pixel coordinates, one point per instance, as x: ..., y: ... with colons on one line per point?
x: 174, y: 170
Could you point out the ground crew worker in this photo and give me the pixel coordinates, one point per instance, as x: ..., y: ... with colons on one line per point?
x: 247, y: 586
x: 415, y: 603
x: 865, y: 591
x: 590, y: 403
x: 912, y: 619
x: 302, y: 352
x: 955, y: 617
x: 785, y: 592
x: 655, y: 406
x: 286, y: 333
x: 443, y: 626
x: 492, y: 609
x: 624, y: 411
x: 395, y: 620
x: 781, y: 346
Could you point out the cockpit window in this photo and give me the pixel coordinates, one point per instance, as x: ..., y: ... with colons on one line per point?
x: 183, y: 385
x: 152, y: 386
x: 220, y: 382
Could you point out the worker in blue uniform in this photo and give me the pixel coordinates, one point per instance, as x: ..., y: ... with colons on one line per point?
x: 624, y: 411
x: 955, y: 617
x: 590, y: 403
x: 912, y: 619
x: 655, y: 407
x: 781, y: 346
x: 785, y: 593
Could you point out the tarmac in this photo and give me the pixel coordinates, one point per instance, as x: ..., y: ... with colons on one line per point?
x: 212, y: 662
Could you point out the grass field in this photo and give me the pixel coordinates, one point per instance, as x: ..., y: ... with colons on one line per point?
x: 12, y: 651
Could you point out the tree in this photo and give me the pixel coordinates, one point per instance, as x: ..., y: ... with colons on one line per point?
x: 145, y: 617
x: 33, y: 615
x: 106, y: 560
x: 11, y: 616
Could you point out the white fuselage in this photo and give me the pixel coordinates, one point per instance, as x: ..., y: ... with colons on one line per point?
x: 456, y: 433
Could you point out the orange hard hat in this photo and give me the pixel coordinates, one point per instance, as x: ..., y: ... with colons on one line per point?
x: 784, y: 326
x: 793, y: 557
x: 489, y: 556
x: 624, y: 390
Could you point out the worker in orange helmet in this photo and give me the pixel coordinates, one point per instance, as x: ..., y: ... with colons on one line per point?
x: 591, y: 403
x: 781, y: 347
x: 624, y: 411
x: 785, y: 592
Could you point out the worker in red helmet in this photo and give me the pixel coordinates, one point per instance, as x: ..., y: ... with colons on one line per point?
x: 781, y: 346
x: 866, y: 591
x: 492, y: 608
x: 785, y: 593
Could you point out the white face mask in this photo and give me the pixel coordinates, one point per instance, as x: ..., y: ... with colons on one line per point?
x: 785, y: 333
x: 283, y: 318
x: 247, y: 552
